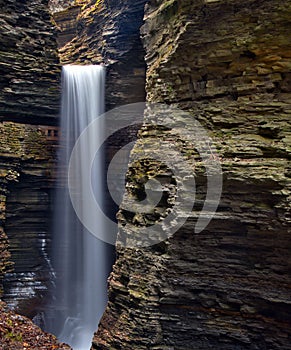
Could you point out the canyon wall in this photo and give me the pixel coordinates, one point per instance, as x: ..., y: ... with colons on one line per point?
x: 29, y: 100
x: 227, y: 64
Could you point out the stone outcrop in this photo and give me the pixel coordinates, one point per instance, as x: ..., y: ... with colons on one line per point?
x: 227, y: 63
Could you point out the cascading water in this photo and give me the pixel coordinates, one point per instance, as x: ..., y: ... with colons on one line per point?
x: 80, y: 259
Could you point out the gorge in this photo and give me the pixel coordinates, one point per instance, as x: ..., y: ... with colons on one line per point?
x: 227, y: 64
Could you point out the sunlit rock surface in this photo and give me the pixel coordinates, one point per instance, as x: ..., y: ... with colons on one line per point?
x: 106, y: 32
x: 60, y: 5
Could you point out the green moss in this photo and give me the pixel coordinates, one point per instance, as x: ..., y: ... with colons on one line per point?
x: 17, y: 337
x: 23, y: 142
x: 35, y: 144
x: 10, y: 143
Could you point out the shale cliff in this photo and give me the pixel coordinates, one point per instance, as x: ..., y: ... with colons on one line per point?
x: 29, y: 102
x: 227, y: 63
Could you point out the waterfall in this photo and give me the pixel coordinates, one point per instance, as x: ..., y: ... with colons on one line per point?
x: 80, y: 259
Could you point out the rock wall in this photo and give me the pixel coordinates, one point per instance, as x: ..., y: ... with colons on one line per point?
x: 106, y: 32
x: 28, y: 63
x: 28, y: 191
x: 29, y: 100
x: 227, y: 63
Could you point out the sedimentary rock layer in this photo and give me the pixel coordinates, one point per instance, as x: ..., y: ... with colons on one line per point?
x: 29, y: 103
x: 29, y: 72
x: 26, y: 174
x: 227, y: 63
x: 106, y: 32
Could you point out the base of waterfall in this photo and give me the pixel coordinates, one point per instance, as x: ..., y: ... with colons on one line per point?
x: 79, y: 336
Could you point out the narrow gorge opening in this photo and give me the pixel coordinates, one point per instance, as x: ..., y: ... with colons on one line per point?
x: 81, y: 261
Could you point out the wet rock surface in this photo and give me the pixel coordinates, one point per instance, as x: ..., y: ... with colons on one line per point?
x: 228, y: 287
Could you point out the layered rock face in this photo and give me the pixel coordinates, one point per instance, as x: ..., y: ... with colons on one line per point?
x: 29, y: 100
x: 227, y: 63
x: 106, y: 32
x: 26, y: 177
x: 28, y: 87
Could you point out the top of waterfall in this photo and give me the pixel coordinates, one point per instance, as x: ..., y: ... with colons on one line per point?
x: 79, y: 67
